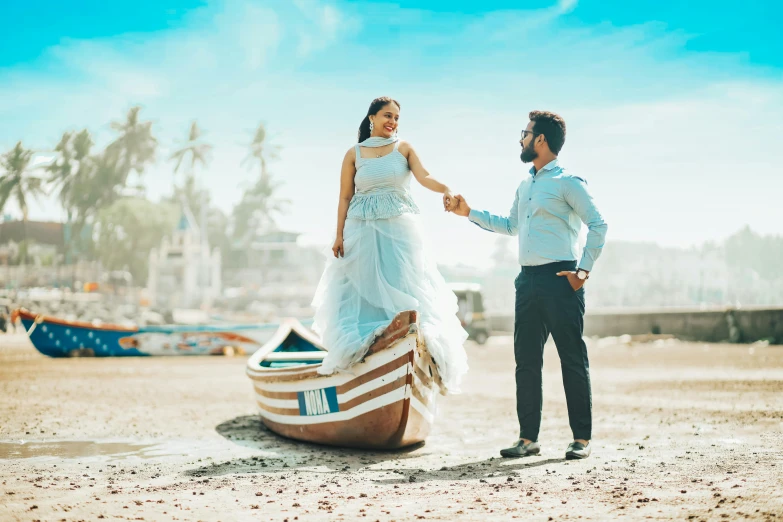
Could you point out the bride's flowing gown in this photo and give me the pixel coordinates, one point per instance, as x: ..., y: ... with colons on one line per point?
x: 387, y: 268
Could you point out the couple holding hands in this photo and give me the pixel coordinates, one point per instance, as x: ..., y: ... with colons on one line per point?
x: 382, y: 265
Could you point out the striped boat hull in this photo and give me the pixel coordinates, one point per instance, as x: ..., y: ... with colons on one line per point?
x: 386, y: 401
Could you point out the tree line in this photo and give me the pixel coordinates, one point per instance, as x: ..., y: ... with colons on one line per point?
x: 108, y: 216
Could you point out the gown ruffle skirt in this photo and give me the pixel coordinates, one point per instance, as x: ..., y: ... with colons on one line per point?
x: 387, y: 268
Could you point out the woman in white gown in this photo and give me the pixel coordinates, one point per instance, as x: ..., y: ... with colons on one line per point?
x: 382, y: 264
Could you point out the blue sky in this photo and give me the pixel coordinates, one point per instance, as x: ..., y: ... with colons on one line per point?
x: 674, y: 112
x: 748, y: 27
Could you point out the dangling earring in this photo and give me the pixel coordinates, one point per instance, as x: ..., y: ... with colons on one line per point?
x: 371, y: 126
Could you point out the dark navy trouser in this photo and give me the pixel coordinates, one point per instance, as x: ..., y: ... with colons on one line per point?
x: 546, y: 303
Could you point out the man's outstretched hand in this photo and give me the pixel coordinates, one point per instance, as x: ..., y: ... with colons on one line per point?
x: 459, y: 206
x: 449, y: 201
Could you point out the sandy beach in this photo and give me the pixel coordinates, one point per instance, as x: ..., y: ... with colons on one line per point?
x: 683, y: 431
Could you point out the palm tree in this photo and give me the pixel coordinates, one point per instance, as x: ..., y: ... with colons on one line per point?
x: 192, y: 153
x: 261, y: 151
x: 258, y: 209
x: 190, y: 194
x: 259, y: 206
x: 91, y: 188
x: 195, y: 151
x: 133, y: 149
x: 61, y: 168
x: 71, y: 163
x: 17, y: 183
x: 99, y: 187
x: 69, y: 172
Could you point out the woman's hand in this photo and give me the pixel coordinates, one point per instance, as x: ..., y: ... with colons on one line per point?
x: 338, y: 248
x: 450, y: 202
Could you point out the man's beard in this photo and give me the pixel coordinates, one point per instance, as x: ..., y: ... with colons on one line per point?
x: 528, y: 153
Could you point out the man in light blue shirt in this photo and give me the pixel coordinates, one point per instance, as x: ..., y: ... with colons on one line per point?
x: 548, y: 211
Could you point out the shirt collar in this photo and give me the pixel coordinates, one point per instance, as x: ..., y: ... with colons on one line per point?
x: 552, y: 165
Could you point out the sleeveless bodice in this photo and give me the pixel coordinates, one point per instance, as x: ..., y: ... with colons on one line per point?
x: 382, y: 185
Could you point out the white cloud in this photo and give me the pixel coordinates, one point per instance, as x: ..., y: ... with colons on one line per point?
x: 326, y: 23
x: 566, y: 6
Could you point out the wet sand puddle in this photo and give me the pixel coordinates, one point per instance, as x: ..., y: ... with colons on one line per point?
x: 72, y: 449
x: 117, y: 450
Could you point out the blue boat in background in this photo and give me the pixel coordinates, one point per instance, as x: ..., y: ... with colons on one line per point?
x: 61, y: 338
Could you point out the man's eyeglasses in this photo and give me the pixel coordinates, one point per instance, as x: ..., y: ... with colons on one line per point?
x: 525, y: 133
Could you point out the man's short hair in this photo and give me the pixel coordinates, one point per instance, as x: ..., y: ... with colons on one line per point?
x: 552, y: 126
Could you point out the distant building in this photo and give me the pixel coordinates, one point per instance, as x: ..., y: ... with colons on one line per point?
x: 44, y: 244
x: 183, y: 272
x: 45, y: 239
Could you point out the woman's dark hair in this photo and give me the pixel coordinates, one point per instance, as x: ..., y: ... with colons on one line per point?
x: 552, y: 126
x: 375, y: 107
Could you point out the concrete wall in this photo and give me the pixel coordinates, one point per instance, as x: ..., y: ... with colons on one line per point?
x: 734, y: 325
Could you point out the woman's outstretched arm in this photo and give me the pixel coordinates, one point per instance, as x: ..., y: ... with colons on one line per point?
x: 425, y: 178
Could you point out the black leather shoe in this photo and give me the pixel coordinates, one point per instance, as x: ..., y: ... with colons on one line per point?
x: 577, y: 450
x: 520, y: 449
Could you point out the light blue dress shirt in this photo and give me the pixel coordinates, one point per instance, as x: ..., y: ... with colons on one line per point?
x: 549, y: 209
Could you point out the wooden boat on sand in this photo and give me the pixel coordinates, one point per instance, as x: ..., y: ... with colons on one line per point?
x: 62, y: 338
x: 386, y: 401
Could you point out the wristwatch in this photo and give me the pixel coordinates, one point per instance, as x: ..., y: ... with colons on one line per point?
x: 582, y: 274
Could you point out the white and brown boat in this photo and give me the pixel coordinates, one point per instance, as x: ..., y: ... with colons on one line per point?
x: 386, y: 401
